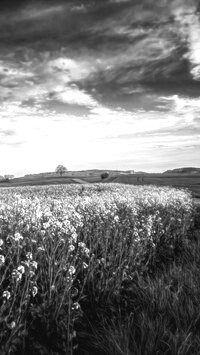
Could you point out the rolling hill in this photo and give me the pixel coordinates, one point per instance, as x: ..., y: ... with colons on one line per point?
x: 188, y: 170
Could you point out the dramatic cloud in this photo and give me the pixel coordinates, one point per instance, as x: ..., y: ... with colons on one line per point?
x: 118, y: 78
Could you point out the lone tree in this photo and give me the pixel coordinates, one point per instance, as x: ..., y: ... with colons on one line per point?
x: 61, y: 170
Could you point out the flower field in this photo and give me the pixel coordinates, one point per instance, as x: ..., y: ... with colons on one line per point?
x: 79, y: 263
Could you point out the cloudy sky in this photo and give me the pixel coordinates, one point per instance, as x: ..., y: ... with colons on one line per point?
x: 99, y: 84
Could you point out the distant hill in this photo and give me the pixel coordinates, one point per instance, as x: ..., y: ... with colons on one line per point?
x: 188, y: 170
x: 91, y: 172
x: 140, y: 172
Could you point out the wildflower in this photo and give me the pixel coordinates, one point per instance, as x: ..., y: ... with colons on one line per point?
x: 7, y: 295
x: 1, y: 242
x: 76, y: 306
x: 85, y: 265
x: 74, y: 237
x: 46, y: 225
x: 2, y: 260
x: 86, y: 251
x: 34, y: 264
x: 16, y: 275
x: 61, y: 240
x: 71, y: 247
x: 17, y: 237
x: 41, y: 249
x: 72, y: 270
x: 75, y: 292
x: 59, y: 224
x: 34, y: 291
x: 53, y: 288
x: 12, y: 325
x: 29, y: 256
x: 21, y: 269
x: 81, y: 245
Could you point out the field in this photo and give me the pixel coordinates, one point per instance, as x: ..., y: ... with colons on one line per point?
x: 106, y: 269
x: 190, y: 181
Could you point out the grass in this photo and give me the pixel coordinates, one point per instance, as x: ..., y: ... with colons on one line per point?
x: 99, y: 269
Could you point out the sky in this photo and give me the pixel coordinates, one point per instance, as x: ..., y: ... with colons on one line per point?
x: 112, y: 84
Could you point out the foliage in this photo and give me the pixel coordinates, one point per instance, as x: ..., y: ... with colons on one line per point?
x: 96, y: 270
x: 104, y: 175
x: 61, y: 170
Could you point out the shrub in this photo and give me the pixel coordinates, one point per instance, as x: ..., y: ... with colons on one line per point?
x: 104, y: 175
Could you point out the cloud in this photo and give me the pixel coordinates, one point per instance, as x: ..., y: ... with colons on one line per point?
x: 188, y: 19
x: 105, y: 46
x: 42, y: 79
x: 74, y: 96
x: 7, y: 132
x: 104, y: 79
x: 188, y: 107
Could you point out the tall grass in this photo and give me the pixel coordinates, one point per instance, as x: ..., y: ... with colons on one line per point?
x: 98, y: 269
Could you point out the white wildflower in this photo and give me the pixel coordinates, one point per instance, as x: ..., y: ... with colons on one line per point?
x: 34, y: 264
x: 85, y: 265
x: 7, y: 295
x: 34, y: 291
x: 74, y: 237
x: 12, y: 325
x: 29, y: 255
x: 46, y: 225
x: 17, y: 237
x: 72, y: 270
x: 71, y: 247
x: 81, y: 245
x: 2, y: 260
x: 76, y: 306
x: 21, y: 269
x: 16, y: 275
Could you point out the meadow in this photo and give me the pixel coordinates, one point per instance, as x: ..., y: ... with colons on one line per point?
x: 106, y: 269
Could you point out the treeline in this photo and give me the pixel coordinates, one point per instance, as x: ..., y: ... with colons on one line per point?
x: 6, y: 178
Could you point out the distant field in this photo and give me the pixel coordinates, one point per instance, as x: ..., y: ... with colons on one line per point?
x: 38, y: 181
x: 192, y: 182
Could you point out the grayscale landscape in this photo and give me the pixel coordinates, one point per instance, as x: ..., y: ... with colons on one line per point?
x: 99, y: 177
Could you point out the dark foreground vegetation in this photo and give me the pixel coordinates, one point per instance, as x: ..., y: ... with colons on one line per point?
x: 104, y: 269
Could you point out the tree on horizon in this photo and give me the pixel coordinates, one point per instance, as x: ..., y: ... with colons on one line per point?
x: 61, y: 169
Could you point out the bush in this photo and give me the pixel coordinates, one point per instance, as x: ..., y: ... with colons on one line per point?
x: 104, y: 175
